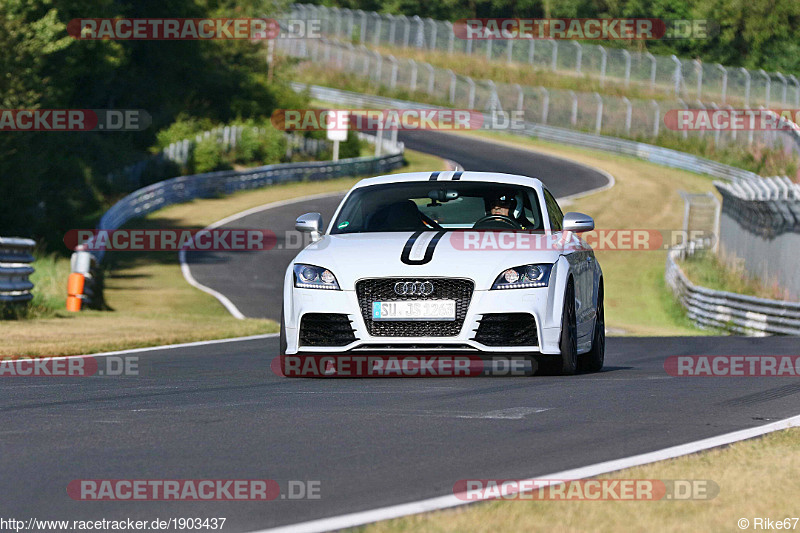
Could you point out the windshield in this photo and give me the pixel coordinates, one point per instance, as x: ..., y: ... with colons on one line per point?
x: 428, y: 205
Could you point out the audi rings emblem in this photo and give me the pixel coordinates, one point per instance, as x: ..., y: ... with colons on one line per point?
x: 413, y: 288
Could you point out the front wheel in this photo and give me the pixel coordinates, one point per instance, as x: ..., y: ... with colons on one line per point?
x: 569, y: 333
x: 592, y: 361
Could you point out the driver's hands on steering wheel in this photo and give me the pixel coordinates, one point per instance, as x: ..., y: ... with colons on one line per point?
x: 497, y: 221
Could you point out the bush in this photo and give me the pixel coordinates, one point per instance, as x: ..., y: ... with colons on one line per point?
x: 207, y: 156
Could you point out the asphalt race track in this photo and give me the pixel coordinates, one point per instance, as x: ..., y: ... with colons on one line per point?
x: 217, y: 411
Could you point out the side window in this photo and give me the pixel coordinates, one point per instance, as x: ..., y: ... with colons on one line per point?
x: 553, y: 211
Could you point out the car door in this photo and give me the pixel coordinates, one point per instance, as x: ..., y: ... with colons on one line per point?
x: 582, y: 263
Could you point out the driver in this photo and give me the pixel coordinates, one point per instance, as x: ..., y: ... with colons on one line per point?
x: 504, y: 205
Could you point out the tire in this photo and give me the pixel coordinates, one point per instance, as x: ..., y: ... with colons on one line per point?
x: 569, y: 333
x: 592, y: 361
x: 283, y: 342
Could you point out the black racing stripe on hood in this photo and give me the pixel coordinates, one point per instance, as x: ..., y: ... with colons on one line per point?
x: 457, y: 176
x: 405, y: 257
x: 434, y: 176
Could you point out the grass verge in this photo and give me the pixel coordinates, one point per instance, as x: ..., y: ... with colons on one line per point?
x: 714, y: 272
x: 762, y: 484
x: 151, y: 304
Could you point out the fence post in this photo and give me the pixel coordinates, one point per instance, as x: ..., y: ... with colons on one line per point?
x: 627, y: 56
x: 545, y: 104
x: 783, y: 87
x: 603, y: 63
x: 531, y: 51
x: 716, y: 130
x: 684, y: 133
x: 376, y: 40
x: 337, y: 22
x: 494, y: 101
x: 434, y: 28
x: 379, y: 60
x: 733, y: 130
x: 431, y: 77
x: 796, y: 89
x: 471, y: 97
x: 392, y: 28
x: 698, y: 68
x: 366, y: 55
x: 406, y: 30
x: 393, y: 78
x: 677, y: 75
x: 628, y: 115
x: 489, y: 49
x: 452, y: 86
x: 598, y: 124
x: 450, y: 37
x: 520, y: 97
x: 419, y: 39
x: 554, y: 57
x: 413, y: 82
x: 578, y: 56
x: 352, y: 51
x: 351, y: 22
x: 724, y: 81
x: 652, y: 59
x: 573, y: 118
x: 767, y: 84
x: 509, y: 51
x: 746, y: 87
x: 657, y: 117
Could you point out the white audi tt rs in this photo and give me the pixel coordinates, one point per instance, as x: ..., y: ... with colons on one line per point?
x: 474, y: 262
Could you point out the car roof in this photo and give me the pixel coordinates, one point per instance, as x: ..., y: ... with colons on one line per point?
x: 450, y: 175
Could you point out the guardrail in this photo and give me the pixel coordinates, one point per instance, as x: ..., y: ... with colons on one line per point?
x: 16, y: 256
x: 185, y: 188
x: 730, y: 311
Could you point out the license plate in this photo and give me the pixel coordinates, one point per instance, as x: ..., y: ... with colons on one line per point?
x: 415, y: 310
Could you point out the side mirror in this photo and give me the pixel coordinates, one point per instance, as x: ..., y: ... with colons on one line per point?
x: 310, y: 223
x: 578, y: 222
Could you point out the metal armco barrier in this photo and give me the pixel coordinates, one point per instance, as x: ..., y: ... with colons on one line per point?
x: 16, y: 256
x: 730, y: 311
x: 185, y: 188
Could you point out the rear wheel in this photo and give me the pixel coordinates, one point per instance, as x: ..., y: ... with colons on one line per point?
x: 569, y: 333
x: 592, y: 361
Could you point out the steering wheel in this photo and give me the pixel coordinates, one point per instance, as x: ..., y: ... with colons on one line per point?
x: 497, y: 221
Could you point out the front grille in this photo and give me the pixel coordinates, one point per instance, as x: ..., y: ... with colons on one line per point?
x: 382, y: 289
x: 326, y: 329
x: 507, y: 329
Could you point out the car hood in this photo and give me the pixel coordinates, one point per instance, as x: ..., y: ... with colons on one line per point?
x: 436, y: 254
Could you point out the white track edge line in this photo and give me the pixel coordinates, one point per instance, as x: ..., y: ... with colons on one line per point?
x: 154, y: 348
x: 448, y: 501
x: 224, y: 300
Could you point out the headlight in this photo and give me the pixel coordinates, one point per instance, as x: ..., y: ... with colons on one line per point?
x: 314, y: 277
x: 523, y: 277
